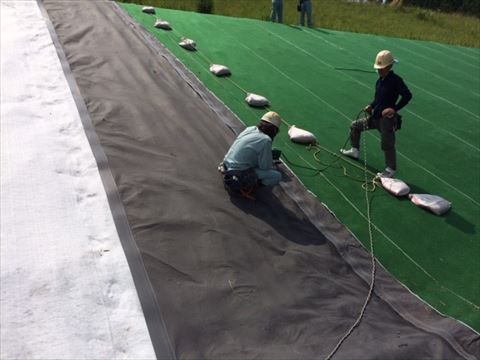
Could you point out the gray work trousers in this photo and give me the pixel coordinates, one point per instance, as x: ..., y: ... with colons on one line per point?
x: 306, y: 9
x: 386, y: 127
x: 277, y: 11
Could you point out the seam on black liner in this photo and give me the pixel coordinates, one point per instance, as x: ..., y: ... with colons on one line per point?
x: 213, y: 102
x: 153, y: 318
x: 349, y: 247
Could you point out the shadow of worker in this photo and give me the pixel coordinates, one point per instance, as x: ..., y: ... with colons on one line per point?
x: 273, y: 206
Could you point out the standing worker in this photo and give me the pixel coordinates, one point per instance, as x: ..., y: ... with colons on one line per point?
x: 249, y: 161
x: 305, y: 8
x: 277, y: 11
x: 382, y: 112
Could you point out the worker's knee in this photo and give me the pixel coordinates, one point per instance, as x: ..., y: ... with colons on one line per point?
x: 359, y: 125
x: 275, y: 178
x: 388, y: 144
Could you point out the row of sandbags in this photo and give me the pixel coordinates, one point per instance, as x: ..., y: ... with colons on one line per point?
x: 396, y: 187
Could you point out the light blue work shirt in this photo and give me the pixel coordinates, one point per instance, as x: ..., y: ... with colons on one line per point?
x: 253, y: 149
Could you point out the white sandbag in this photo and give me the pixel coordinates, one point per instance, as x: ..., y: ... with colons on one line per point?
x: 162, y: 24
x: 188, y: 44
x: 148, y: 9
x: 395, y: 186
x: 434, y: 203
x: 219, y: 70
x: 256, y: 100
x: 301, y: 136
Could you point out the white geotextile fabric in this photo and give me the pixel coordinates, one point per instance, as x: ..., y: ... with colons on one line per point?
x: 66, y: 288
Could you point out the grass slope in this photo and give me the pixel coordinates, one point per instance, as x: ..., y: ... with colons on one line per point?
x: 370, y: 18
x: 318, y: 80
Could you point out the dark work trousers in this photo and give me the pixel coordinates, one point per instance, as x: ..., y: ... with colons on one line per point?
x: 386, y: 127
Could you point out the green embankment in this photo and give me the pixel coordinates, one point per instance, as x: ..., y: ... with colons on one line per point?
x: 318, y: 80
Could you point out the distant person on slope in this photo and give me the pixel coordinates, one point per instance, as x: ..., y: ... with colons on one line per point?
x: 382, y: 112
x: 277, y: 11
x: 305, y: 8
x: 249, y: 161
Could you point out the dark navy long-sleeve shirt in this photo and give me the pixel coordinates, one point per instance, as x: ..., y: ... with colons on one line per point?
x: 387, y: 92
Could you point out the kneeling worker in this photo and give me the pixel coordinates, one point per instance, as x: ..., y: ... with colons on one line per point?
x: 383, y: 112
x: 250, y: 156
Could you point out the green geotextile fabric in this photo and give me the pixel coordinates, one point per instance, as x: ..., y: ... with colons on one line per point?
x: 318, y: 80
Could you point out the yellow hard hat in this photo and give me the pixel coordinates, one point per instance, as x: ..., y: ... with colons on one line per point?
x: 384, y: 58
x: 273, y: 118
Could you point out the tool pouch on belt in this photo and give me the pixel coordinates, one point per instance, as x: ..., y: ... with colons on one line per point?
x: 398, y: 122
x: 276, y: 153
x: 241, y: 182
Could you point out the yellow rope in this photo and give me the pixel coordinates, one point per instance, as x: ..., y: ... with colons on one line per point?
x: 373, y: 260
x: 369, y: 185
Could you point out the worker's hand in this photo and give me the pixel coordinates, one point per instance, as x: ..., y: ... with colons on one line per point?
x: 276, y: 153
x: 388, y: 113
x: 368, y: 109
